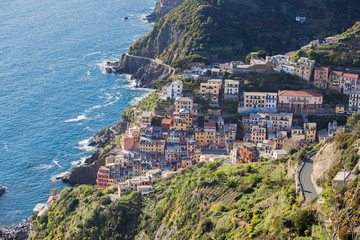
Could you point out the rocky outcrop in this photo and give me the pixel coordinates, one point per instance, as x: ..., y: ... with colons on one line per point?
x: 162, y: 8
x: 145, y: 71
x: 2, y: 190
x: 19, y: 232
x: 86, y: 173
x: 328, y: 155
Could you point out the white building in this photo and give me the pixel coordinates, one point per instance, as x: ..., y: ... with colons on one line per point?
x: 354, y: 101
x: 174, y: 90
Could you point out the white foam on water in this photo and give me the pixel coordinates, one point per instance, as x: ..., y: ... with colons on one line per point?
x: 88, y: 73
x: 78, y: 118
x: 43, y: 167
x: 83, y: 145
x: 80, y: 162
x: 56, y: 177
x: 93, y: 53
x: 56, y: 162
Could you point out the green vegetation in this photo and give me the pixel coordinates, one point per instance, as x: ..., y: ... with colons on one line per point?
x: 86, y: 212
x: 344, y: 53
x: 261, y: 53
x: 323, y: 121
x: 146, y: 104
x: 186, y: 62
x: 229, y: 29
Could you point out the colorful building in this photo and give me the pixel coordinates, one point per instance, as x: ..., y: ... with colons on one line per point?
x: 259, y: 101
x: 321, y: 77
x: 102, y: 180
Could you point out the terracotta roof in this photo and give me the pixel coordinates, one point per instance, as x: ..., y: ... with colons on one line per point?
x: 52, y: 199
x: 270, y: 143
x: 350, y: 75
x: 209, y: 125
x: 166, y: 121
x: 290, y: 93
x: 337, y: 73
x: 322, y: 69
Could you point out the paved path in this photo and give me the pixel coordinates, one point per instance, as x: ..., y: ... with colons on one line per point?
x: 308, y: 189
x: 158, y: 61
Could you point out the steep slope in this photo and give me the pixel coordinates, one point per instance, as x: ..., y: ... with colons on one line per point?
x: 207, y: 201
x: 344, y: 53
x: 229, y: 29
x: 162, y: 8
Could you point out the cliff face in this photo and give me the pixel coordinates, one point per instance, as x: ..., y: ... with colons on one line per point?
x: 86, y: 174
x: 226, y: 30
x: 328, y: 155
x: 145, y: 71
x: 162, y: 8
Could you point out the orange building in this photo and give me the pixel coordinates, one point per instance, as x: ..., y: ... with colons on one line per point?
x: 166, y: 123
x: 244, y: 152
x: 321, y: 77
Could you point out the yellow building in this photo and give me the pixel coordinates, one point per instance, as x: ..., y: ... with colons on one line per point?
x: 310, y: 132
x: 152, y: 145
x: 200, y: 136
x: 340, y: 108
x: 216, y: 81
x: 304, y: 68
x: 182, y: 121
x: 210, y: 91
x: 184, y: 103
x: 264, y: 101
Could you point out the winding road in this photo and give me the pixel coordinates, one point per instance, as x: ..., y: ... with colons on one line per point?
x: 307, y: 187
x: 157, y: 61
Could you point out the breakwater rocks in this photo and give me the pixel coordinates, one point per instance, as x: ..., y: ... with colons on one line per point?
x: 162, y: 8
x: 145, y: 71
x: 19, y: 232
x: 86, y: 173
x: 2, y: 190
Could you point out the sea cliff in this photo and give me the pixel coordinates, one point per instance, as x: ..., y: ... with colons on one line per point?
x: 86, y: 173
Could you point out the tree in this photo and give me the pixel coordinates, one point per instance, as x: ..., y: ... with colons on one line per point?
x: 54, y: 192
x: 343, y: 211
x: 354, y: 121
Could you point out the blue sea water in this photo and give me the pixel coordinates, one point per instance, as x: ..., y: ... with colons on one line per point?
x: 53, y: 94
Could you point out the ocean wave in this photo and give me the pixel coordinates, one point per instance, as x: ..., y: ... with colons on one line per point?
x: 56, y: 163
x: 93, y: 53
x: 58, y: 176
x: 88, y: 73
x: 83, y: 145
x: 43, y: 166
x: 78, y: 118
x: 79, y: 162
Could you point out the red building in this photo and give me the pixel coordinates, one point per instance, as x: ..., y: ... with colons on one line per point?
x: 244, y: 152
x: 166, y: 124
x: 321, y: 77
x: 102, y: 180
x: 128, y: 142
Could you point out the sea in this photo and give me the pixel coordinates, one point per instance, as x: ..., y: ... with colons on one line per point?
x: 54, y: 95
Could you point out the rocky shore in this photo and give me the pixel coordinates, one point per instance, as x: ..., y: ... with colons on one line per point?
x: 19, y: 232
x: 145, y: 71
x: 162, y: 8
x: 2, y: 190
x: 86, y: 173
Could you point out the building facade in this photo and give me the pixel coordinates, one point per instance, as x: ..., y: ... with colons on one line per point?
x: 174, y: 90
x: 304, y: 68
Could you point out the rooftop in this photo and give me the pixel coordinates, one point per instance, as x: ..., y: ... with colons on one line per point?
x: 291, y: 93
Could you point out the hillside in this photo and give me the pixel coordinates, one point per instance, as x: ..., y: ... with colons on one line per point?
x: 206, y: 201
x: 344, y: 53
x: 202, y: 27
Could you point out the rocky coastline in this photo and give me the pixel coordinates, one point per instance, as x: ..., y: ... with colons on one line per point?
x: 162, y: 8
x: 146, y: 72
x: 86, y: 173
x: 18, y: 232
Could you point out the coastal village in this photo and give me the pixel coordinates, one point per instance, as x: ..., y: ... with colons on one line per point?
x: 197, y: 127
x: 221, y: 120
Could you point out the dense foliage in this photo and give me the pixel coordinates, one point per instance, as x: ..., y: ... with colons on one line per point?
x: 86, y: 212
x: 146, y: 104
x: 344, y: 53
x: 206, y: 201
x: 229, y: 29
